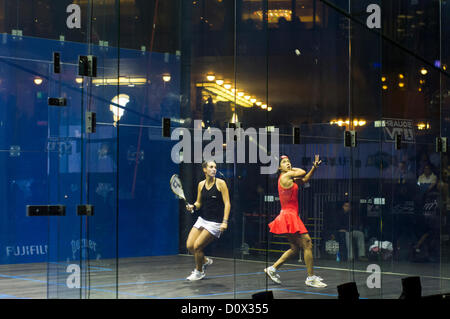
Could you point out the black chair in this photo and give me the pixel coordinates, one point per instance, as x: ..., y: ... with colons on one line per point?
x: 412, y: 289
x: 348, y: 291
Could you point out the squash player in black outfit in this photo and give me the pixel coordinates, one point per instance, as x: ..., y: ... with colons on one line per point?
x: 214, y: 200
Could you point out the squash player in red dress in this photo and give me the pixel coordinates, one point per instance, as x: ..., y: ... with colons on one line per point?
x: 289, y: 223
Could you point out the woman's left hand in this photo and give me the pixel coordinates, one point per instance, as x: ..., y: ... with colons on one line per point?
x: 223, y: 227
x: 317, y: 161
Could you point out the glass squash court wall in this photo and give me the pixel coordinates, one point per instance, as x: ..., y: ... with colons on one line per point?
x: 50, y: 159
x: 308, y: 70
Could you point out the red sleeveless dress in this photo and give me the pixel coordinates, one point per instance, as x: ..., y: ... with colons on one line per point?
x: 288, y: 220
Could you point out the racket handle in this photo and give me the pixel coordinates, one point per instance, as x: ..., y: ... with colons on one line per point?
x: 190, y: 211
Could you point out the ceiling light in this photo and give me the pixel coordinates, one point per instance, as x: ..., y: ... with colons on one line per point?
x: 166, y: 77
x: 210, y: 77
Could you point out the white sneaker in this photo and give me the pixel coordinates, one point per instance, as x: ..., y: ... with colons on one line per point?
x: 271, y: 272
x: 196, y: 275
x: 209, y: 261
x: 314, y: 281
x: 317, y: 277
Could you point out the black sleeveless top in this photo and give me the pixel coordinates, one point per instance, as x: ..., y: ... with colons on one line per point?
x: 212, y: 204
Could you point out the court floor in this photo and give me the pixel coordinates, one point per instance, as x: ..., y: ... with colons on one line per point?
x: 163, y: 277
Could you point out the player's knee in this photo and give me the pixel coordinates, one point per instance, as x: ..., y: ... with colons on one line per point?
x: 197, y: 247
x: 190, y: 247
x: 295, y: 248
x: 307, y: 243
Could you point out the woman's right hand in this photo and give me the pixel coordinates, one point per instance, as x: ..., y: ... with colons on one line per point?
x: 190, y: 208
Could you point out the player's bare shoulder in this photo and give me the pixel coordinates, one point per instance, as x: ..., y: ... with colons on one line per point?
x: 286, y: 181
x: 221, y: 184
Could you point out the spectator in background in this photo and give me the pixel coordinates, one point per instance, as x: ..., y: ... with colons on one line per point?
x: 338, y: 226
x: 427, y: 182
x: 405, y: 181
x: 409, y: 160
x: 428, y: 177
x: 426, y: 246
x: 402, y: 175
x: 423, y: 160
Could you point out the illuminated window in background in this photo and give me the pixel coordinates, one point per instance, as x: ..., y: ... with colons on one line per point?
x: 281, y: 10
x: 273, y: 15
